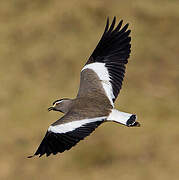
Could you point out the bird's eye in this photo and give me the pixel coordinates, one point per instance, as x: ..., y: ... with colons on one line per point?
x: 57, y: 103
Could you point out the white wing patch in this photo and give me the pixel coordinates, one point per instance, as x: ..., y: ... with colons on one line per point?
x: 102, y: 72
x: 70, y: 126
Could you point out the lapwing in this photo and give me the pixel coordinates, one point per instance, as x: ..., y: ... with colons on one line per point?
x: 100, y: 83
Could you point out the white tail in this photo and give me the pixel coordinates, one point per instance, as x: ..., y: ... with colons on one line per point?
x: 123, y: 118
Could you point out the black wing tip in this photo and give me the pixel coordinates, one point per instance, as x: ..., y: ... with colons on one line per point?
x: 39, y: 155
x: 36, y: 154
x: 111, y: 38
x: 107, y: 25
x: 111, y: 27
x: 31, y: 156
x: 51, y: 145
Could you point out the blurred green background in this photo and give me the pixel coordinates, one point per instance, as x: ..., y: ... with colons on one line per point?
x: 44, y: 45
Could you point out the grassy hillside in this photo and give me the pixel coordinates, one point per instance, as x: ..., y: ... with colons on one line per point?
x: 44, y: 45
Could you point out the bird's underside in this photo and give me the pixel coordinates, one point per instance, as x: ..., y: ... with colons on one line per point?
x: 100, y: 83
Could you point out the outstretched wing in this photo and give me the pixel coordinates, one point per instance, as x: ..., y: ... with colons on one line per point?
x: 107, y: 62
x: 65, y: 133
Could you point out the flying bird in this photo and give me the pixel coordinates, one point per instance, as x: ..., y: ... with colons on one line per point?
x: 100, y: 83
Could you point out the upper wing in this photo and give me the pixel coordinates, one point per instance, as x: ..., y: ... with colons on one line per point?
x: 108, y: 62
x: 65, y: 133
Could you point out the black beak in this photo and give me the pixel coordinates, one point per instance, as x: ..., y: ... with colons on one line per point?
x: 50, y: 108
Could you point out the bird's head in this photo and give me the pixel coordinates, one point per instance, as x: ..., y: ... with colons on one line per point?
x: 61, y: 105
